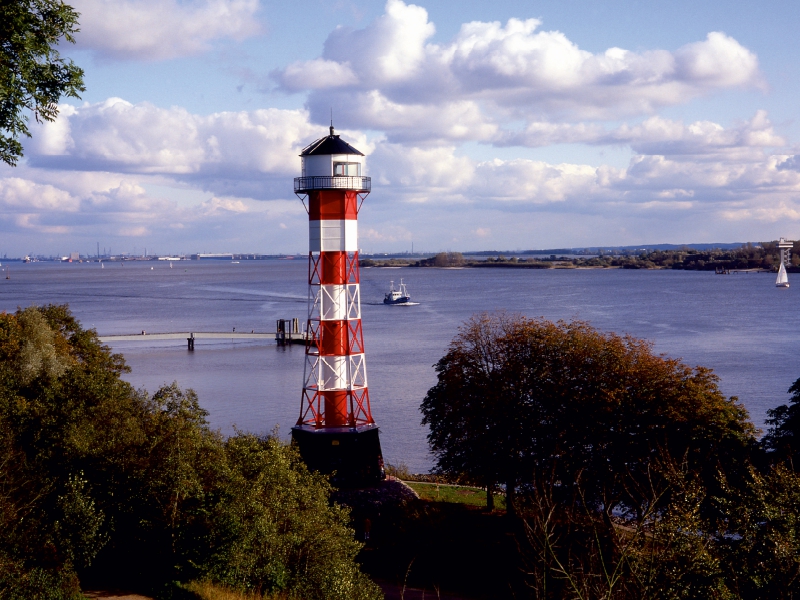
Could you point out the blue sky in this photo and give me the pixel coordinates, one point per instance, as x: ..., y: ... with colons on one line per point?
x: 505, y: 125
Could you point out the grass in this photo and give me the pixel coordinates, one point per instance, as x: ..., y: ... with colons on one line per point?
x: 455, y: 494
x: 205, y: 590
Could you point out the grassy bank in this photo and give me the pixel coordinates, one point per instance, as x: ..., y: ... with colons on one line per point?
x: 455, y: 494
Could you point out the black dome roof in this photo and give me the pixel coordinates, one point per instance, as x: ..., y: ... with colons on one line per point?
x: 331, y: 144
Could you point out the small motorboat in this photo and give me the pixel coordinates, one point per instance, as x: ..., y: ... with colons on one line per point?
x: 397, y: 296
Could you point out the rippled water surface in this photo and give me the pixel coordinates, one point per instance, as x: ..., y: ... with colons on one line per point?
x: 739, y: 325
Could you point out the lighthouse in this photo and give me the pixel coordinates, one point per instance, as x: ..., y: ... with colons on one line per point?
x: 335, y: 431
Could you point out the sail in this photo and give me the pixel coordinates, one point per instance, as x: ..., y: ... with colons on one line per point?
x: 782, y: 278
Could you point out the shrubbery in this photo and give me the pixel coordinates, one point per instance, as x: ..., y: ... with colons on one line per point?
x: 631, y: 474
x: 104, y: 483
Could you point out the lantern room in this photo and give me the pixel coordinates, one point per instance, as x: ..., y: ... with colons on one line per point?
x: 331, y: 157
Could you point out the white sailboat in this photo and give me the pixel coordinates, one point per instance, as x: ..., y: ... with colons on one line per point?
x: 783, y: 280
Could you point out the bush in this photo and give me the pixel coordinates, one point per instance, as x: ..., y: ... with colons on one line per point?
x: 521, y: 401
x: 105, y: 482
x: 636, y: 477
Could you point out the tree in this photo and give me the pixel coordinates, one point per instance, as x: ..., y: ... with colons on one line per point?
x: 782, y: 440
x: 102, y: 481
x: 760, y: 545
x: 635, y: 475
x: 526, y: 401
x: 277, y: 530
x: 474, y: 430
x: 570, y: 551
x: 33, y: 75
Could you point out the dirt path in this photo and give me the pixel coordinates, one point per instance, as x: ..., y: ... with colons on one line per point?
x: 114, y: 595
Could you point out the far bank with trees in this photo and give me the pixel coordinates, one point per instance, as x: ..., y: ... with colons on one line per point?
x: 764, y: 257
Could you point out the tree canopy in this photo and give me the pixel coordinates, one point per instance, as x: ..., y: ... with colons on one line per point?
x: 33, y: 75
x: 636, y: 477
x: 522, y: 400
x: 782, y: 440
x: 101, y: 482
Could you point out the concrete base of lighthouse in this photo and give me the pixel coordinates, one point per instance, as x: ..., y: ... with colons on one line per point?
x: 353, y: 454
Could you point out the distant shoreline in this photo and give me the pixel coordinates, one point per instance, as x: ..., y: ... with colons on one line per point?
x: 748, y: 259
x: 398, y: 264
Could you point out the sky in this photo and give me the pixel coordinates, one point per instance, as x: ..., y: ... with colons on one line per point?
x: 505, y: 125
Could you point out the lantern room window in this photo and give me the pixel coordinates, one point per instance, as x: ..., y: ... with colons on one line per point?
x: 346, y: 169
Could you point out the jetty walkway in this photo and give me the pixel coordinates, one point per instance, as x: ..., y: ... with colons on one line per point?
x: 282, y: 338
x: 287, y: 331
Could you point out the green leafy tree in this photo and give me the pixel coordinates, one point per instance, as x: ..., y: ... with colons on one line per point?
x: 268, y: 491
x: 760, y: 544
x: 571, y: 551
x: 473, y: 429
x: 520, y: 401
x: 636, y: 476
x: 33, y: 75
x: 782, y: 440
x: 102, y: 482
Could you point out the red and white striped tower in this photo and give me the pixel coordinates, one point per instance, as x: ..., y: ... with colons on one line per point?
x: 335, y: 431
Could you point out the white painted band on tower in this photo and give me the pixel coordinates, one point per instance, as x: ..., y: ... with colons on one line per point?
x: 333, y: 235
x: 339, y: 302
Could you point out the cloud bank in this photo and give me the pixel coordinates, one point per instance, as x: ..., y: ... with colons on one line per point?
x: 388, y: 76
x: 223, y: 181
x: 99, y: 164
x: 162, y: 29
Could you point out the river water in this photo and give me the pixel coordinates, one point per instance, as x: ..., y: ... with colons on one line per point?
x: 739, y: 325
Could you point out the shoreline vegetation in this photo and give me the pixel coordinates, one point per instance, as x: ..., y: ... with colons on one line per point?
x: 570, y: 463
x: 106, y: 486
x: 763, y: 257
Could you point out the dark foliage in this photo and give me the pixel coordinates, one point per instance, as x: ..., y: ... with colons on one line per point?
x: 782, y: 440
x: 520, y: 401
x: 33, y: 76
x: 635, y: 476
x: 103, y: 482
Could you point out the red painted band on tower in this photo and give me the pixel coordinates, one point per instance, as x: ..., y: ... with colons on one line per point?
x: 333, y: 338
x: 355, y: 337
x: 314, y: 403
x: 335, y: 402
x: 333, y: 268
x: 332, y: 204
x: 338, y: 338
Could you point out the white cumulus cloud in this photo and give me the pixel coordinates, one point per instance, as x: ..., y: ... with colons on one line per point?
x: 22, y: 195
x: 654, y: 135
x: 389, y: 70
x: 162, y: 29
x: 118, y: 136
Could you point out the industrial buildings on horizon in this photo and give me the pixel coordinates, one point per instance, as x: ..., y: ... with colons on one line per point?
x: 584, y: 250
